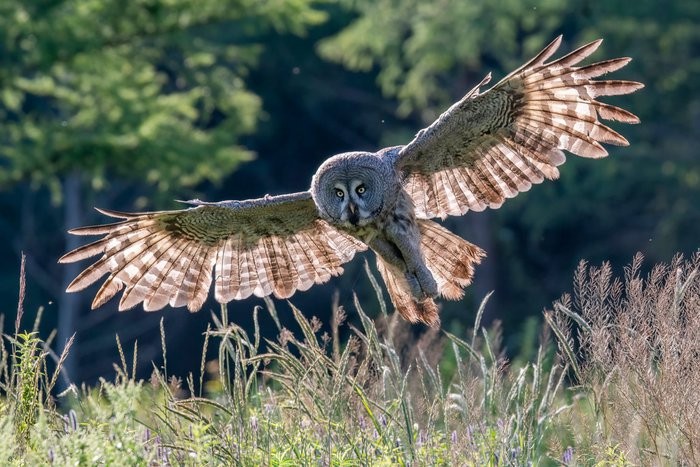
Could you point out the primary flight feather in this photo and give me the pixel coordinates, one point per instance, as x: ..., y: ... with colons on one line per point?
x: 485, y: 148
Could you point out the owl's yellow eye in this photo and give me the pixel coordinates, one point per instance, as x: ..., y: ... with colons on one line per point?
x: 360, y: 189
x: 339, y: 193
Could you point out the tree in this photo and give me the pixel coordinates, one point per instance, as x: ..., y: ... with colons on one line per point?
x: 153, y: 89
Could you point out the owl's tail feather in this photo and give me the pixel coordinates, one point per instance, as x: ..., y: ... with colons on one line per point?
x: 414, y: 311
x: 450, y: 259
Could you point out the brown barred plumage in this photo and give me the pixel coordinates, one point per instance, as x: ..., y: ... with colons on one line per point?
x: 522, y: 125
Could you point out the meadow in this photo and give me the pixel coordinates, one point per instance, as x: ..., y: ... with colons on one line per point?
x: 613, y: 382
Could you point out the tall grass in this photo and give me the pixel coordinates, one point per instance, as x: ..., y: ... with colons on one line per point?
x: 612, y: 382
x: 634, y: 343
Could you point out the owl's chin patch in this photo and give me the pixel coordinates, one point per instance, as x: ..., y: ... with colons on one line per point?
x: 349, y: 226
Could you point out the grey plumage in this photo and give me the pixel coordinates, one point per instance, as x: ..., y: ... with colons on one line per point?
x: 485, y: 148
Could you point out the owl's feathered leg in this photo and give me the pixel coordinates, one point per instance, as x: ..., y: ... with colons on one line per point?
x: 449, y: 259
x: 414, y: 311
x: 417, y: 276
x: 401, y: 233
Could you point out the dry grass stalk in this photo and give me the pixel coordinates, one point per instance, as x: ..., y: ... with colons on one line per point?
x: 639, y: 356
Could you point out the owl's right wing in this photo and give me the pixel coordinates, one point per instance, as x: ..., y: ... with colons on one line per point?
x: 490, y: 146
x: 272, y: 245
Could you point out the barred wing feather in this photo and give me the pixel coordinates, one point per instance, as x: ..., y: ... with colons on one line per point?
x: 269, y: 246
x: 493, y: 145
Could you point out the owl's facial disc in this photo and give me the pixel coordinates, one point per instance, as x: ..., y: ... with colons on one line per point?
x: 353, y: 207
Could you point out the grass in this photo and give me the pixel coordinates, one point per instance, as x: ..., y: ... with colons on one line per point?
x: 614, y: 382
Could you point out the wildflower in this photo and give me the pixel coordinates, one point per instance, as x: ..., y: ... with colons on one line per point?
x: 70, y: 422
x: 285, y: 337
x: 470, y: 434
x: 514, y: 453
x: 315, y: 324
x: 254, y: 423
x: 453, y: 437
x: 154, y: 380
x: 422, y: 438
x: 568, y: 456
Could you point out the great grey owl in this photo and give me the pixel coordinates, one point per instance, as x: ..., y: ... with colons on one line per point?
x: 485, y: 148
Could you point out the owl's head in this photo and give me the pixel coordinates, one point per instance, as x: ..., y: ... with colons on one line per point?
x: 352, y: 188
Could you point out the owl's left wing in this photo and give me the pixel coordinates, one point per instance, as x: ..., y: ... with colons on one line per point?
x: 272, y: 245
x: 490, y: 146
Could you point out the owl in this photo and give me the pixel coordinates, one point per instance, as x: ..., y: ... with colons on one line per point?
x: 487, y: 147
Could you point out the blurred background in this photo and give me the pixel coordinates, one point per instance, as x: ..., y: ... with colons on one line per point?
x: 130, y: 105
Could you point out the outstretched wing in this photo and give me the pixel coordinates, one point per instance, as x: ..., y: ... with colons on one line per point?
x: 273, y: 245
x: 491, y: 146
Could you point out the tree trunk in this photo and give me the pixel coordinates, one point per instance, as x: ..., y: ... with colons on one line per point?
x: 68, y: 308
x: 486, y: 281
x: 476, y: 227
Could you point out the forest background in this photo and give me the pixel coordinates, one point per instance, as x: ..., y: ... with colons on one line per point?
x: 131, y: 105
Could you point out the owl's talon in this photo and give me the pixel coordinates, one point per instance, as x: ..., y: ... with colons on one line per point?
x: 423, y: 286
x: 414, y: 285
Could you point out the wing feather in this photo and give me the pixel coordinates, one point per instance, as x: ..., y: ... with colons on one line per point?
x: 247, y: 273
x: 304, y: 266
x: 224, y: 270
x: 203, y: 277
x: 263, y: 259
x: 148, y: 273
x: 184, y: 280
x: 490, y: 146
x: 273, y: 245
x: 125, y: 266
x: 314, y: 248
x: 158, y: 296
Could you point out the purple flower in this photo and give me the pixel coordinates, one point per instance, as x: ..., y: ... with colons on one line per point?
x: 514, y: 453
x: 422, y: 438
x: 568, y: 456
x: 70, y: 421
x: 453, y: 437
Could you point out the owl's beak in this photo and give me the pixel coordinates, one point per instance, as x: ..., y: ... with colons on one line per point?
x: 353, y: 217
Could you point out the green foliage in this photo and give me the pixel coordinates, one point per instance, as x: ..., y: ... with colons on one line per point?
x: 153, y: 89
x: 28, y: 364
x: 364, y: 403
x: 417, y: 44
